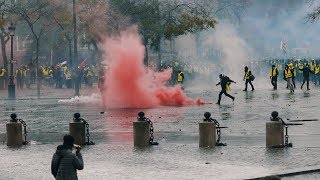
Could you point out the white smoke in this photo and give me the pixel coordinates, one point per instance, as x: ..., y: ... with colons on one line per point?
x: 235, y: 51
x: 92, y: 99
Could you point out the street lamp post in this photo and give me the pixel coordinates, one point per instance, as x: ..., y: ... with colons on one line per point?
x: 11, y: 85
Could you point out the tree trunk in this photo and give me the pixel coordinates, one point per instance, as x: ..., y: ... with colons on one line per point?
x: 198, y: 45
x: 159, y: 62
x: 75, y: 34
x: 75, y: 48
x: 146, y: 56
x: 4, y: 52
x: 70, y: 53
x: 37, y: 68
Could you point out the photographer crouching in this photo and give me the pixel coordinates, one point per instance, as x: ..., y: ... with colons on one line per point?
x: 64, y: 164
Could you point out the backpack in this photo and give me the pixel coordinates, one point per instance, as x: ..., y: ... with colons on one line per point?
x: 251, y: 78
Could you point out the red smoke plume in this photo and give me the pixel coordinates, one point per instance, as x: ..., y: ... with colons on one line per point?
x: 129, y: 84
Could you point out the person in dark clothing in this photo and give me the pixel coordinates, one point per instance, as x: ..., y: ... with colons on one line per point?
x: 306, y: 75
x: 58, y: 77
x: 77, y: 78
x: 64, y: 164
x: 225, y: 81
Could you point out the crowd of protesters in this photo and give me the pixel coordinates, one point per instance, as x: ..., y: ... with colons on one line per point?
x: 58, y: 76
x: 62, y: 76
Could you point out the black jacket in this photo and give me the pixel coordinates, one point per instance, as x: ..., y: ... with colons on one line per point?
x: 64, y: 164
x: 224, y: 81
x: 306, y: 71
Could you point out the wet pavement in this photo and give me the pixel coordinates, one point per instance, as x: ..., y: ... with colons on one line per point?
x: 176, y: 129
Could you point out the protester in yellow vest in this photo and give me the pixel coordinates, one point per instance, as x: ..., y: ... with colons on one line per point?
x: 90, y: 73
x: 19, y: 78
x: 274, y: 76
x: 288, y: 74
x: 180, y: 77
x: 294, y: 71
x: 68, y: 80
x: 50, y: 73
x: 88, y: 78
x: 2, y: 77
x: 248, y: 78
x: 45, y: 72
x: 317, y: 74
x: 65, y: 68
x: 312, y: 67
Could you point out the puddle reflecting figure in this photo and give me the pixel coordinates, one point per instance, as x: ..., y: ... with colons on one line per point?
x: 226, y: 107
x: 275, y: 95
x: 249, y: 96
x: 226, y: 111
x: 9, y: 109
x: 226, y: 115
x: 306, y: 94
x: 291, y: 97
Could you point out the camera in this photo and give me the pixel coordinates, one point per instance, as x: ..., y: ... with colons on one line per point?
x: 77, y: 146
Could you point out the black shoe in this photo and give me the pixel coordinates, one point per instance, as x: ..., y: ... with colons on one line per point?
x: 244, y: 90
x: 252, y: 90
x: 218, y: 103
x: 308, y: 89
x: 301, y: 87
x: 233, y: 98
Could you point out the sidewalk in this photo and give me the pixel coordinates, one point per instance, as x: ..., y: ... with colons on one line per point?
x: 48, y: 93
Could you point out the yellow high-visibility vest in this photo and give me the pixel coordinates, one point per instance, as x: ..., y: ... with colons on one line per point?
x: 288, y: 73
x: 273, y: 72
x: 2, y: 72
x: 45, y: 72
x: 65, y: 68
x: 68, y: 75
x: 90, y: 73
x: 247, y: 76
x: 180, y: 78
x: 50, y: 73
x: 312, y: 66
x: 293, y: 68
x: 317, y: 69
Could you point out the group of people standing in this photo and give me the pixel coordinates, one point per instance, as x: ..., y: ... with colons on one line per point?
x: 58, y: 76
x: 289, y: 75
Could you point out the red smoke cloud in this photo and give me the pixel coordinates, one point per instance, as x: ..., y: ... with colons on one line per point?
x: 129, y: 84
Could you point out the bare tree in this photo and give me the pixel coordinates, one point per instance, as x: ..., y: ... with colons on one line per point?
x: 38, y: 16
x: 63, y: 18
x: 315, y: 14
x: 4, y: 39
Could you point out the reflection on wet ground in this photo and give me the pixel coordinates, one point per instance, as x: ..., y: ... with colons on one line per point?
x: 176, y: 129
